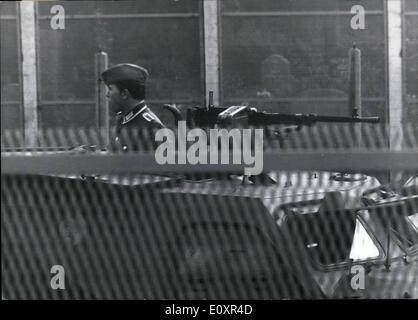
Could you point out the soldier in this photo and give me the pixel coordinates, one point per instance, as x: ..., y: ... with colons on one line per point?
x: 277, y: 82
x: 126, y: 93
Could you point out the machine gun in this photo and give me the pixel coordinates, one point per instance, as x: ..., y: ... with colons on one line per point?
x: 250, y: 116
x: 210, y: 116
x: 227, y: 116
x: 243, y: 116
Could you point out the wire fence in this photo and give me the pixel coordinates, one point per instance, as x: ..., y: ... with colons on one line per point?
x: 288, y: 137
x: 333, y: 214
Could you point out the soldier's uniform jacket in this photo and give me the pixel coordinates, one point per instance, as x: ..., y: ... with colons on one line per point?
x: 135, y: 130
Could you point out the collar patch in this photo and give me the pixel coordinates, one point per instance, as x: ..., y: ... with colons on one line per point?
x: 131, y: 115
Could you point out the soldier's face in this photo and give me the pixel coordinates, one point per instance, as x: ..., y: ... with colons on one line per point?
x: 116, y: 99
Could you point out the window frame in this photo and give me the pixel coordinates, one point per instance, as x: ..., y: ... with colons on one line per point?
x: 278, y: 14
x: 206, y: 54
x: 405, y: 99
x: 18, y: 133
x: 189, y: 15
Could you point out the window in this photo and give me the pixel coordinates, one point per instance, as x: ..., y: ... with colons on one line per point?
x: 11, y: 106
x: 405, y: 233
x: 404, y: 229
x: 163, y: 36
x: 279, y: 56
x: 363, y: 246
x: 292, y: 56
x: 331, y: 238
x: 414, y: 220
x: 237, y: 258
x: 411, y: 62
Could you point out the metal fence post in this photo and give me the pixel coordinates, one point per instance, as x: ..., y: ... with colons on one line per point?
x: 29, y: 72
x: 396, y: 140
x: 102, y: 105
x: 394, y: 11
x: 211, y: 25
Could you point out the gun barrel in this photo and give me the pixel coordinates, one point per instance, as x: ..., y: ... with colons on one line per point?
x: 367, y: 119
x: 348, y: 119
x: 263, y: 118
